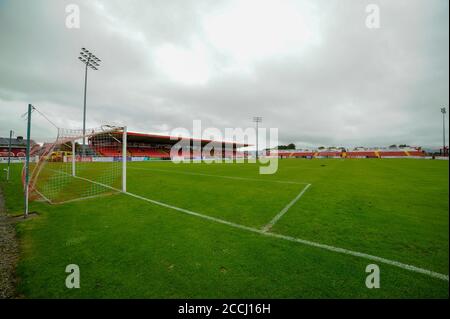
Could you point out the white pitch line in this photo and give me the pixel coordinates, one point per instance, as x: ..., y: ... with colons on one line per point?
x: 285, y: 209
x: 84, y: 198
x: 362, y: 255
x: 301, y: 241
x: 43, y: 196
x: 85, y: 179
x: 81, y: 198
x: 219, y: 176
x: 94, y: 182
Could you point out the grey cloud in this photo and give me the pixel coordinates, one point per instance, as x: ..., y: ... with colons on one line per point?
x: 354, y: 87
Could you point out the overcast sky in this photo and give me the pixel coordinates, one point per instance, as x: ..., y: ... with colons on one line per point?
x: 310, y: 68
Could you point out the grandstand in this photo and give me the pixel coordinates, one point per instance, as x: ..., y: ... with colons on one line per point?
x: 362, y: 154
x: 18, y: 146
x: 144, y: 146
x: 408, y: 152
x: 328, y: 154
x: 152, y: 146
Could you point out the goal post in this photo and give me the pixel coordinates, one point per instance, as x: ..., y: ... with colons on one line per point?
x: 73, y: 159
x: 64, y: 170
x: 124, y: 159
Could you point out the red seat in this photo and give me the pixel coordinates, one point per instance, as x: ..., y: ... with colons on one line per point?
x: 329, y: 154
x: 362, y: 154
x: 392, y: 153
x: 301, y: 154
x: 148, y: 152
x: 416, y: 153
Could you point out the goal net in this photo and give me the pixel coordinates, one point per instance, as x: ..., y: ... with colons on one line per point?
x: 75, y: 167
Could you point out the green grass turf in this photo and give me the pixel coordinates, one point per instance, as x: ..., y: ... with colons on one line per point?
x: 126, y: 247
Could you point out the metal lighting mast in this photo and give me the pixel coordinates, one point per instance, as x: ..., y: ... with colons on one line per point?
x: 443, y: 111
x: 257, y: 120
x: 27, y: 160
x: 90, y: 60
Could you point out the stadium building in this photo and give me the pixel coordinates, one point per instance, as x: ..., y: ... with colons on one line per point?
x: 153, y: 146
x: 407, y: 152
x: 18, y: 146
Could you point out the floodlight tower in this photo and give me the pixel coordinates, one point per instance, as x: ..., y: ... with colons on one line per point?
x: 443, y: 111
x: 91, y: 61
x: 257, y: 120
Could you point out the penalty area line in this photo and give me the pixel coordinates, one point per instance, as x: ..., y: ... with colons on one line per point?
x: 301, y: 241
x: 267, y: 227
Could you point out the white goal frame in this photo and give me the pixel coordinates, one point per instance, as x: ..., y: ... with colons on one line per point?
x: 69, y: 137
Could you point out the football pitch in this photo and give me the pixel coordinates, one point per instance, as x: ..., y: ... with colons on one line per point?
x: 198, y: 230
